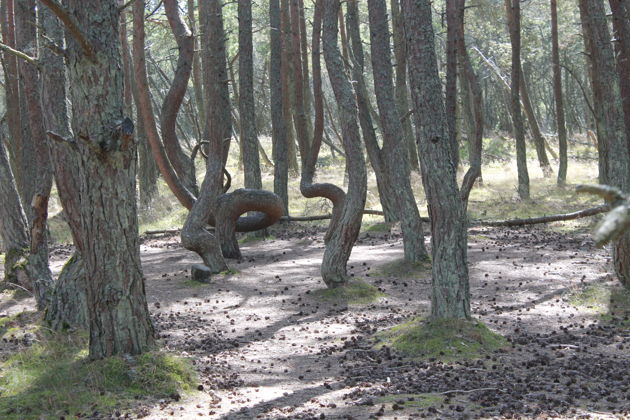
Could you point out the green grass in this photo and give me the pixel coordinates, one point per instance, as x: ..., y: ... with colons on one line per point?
x: 250, y: 238
x: 441, y: 339
x: 619, y: 308
x: 378, y: 227
x: 403, y: 269
x: 594, y: 298
x: 356, y: 292
x: 416, y: 401
x: 53, y: 378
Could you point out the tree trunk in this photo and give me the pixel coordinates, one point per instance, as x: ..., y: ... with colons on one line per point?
x: 539, y: 140
x: 247, y: 112
x: 557, y: 89
x: 513, y: 9
x: 395, y: 158
x: 608, y: 100
x: 13, y: 223
x: 341, y: 241
x: 299, y: 112
x: 183, y: 165
x: 288, y: 86
x: 308, y: 96
x: 38, y: 171
x: 278, y: 122
x: 68, y: 303
x: 196, y: 75
x: 108, y: 226
x: 402, y: 95
x: 453, y: 35
x: 386, y: 191
x: 621, y: 27
x: 451, y: 296
x: 473, y: 108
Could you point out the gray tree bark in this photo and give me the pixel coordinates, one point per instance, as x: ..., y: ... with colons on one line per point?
x: 608, y: 100
x: 279, y: 136
x: 402, y: 94
x: 394, y: 156
x: 341, y: 241
x: 107, y: 236
x: 559, y: 101
x: 386, y: 191
x: 513, y: 10
x: 451, y: 296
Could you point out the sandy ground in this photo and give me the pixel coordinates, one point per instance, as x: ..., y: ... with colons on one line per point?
x: 266, y: 347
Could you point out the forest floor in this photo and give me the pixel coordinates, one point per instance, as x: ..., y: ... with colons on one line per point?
x: 266, y: 344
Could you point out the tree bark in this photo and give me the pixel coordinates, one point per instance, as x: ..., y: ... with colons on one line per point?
x: 539, y: 141
x: 451, y: 296
x: 340, y: 244
x: 386, y: 192
x: 453, y: 35
x: 288, y: 86
x: 183, y: 165
x: 473, y: 106
x: 196, y: 74
x: 278, y: 122
x: 394, y: 156
x: 612, y: 130
x: 513, y: 9
x: 247, y: 112
x: 559, y: 101
x: 108, y: 227
x: 38, y: 170
x: 402, y: 95
x: 621, y: 27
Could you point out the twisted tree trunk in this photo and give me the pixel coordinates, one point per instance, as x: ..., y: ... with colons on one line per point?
x: 343, y: 237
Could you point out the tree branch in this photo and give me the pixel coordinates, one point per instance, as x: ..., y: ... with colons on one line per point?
x: 71, y: 25
x: 19, y: 54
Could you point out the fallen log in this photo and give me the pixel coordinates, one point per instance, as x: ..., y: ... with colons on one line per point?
x: 474, y: 223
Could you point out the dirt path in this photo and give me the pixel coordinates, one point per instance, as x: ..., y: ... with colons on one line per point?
x: 266, y: 347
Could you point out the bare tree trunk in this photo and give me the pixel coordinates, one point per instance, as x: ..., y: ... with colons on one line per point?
x: 68, y: 303
x: 473, y: 107
x: 288, y: 86
x: 308, y: 96
x: 247, y: 112
x: 451, y: 296
x: 342, y: 239
x: 183, y: 165
x: 605, y: 82
x: 386, y: 191
x: 539, y: 141
x: 453, y: 35
x: 38, y: 170
x: 278, y: 122
x: 513, y: 10
x: 557, y: 88
x: 395, y: 158
x: 108, y: 228
x: 402, y: 96
x: 196, y: 75
x: 13, y: 223
x: 621, y: 27
x: 299, y: 112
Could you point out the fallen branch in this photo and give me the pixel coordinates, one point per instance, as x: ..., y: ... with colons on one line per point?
x: 617, y: 221
x: 475, y: 223
x: 462, y: 391
x: 543, y: 219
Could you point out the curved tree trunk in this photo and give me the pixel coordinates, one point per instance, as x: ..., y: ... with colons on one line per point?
x: 395, y: 158
x: 473, y: 107
x: 309, y: 189
x: 451, y: 296
x: 343, y: 237
x: 183, y: 165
